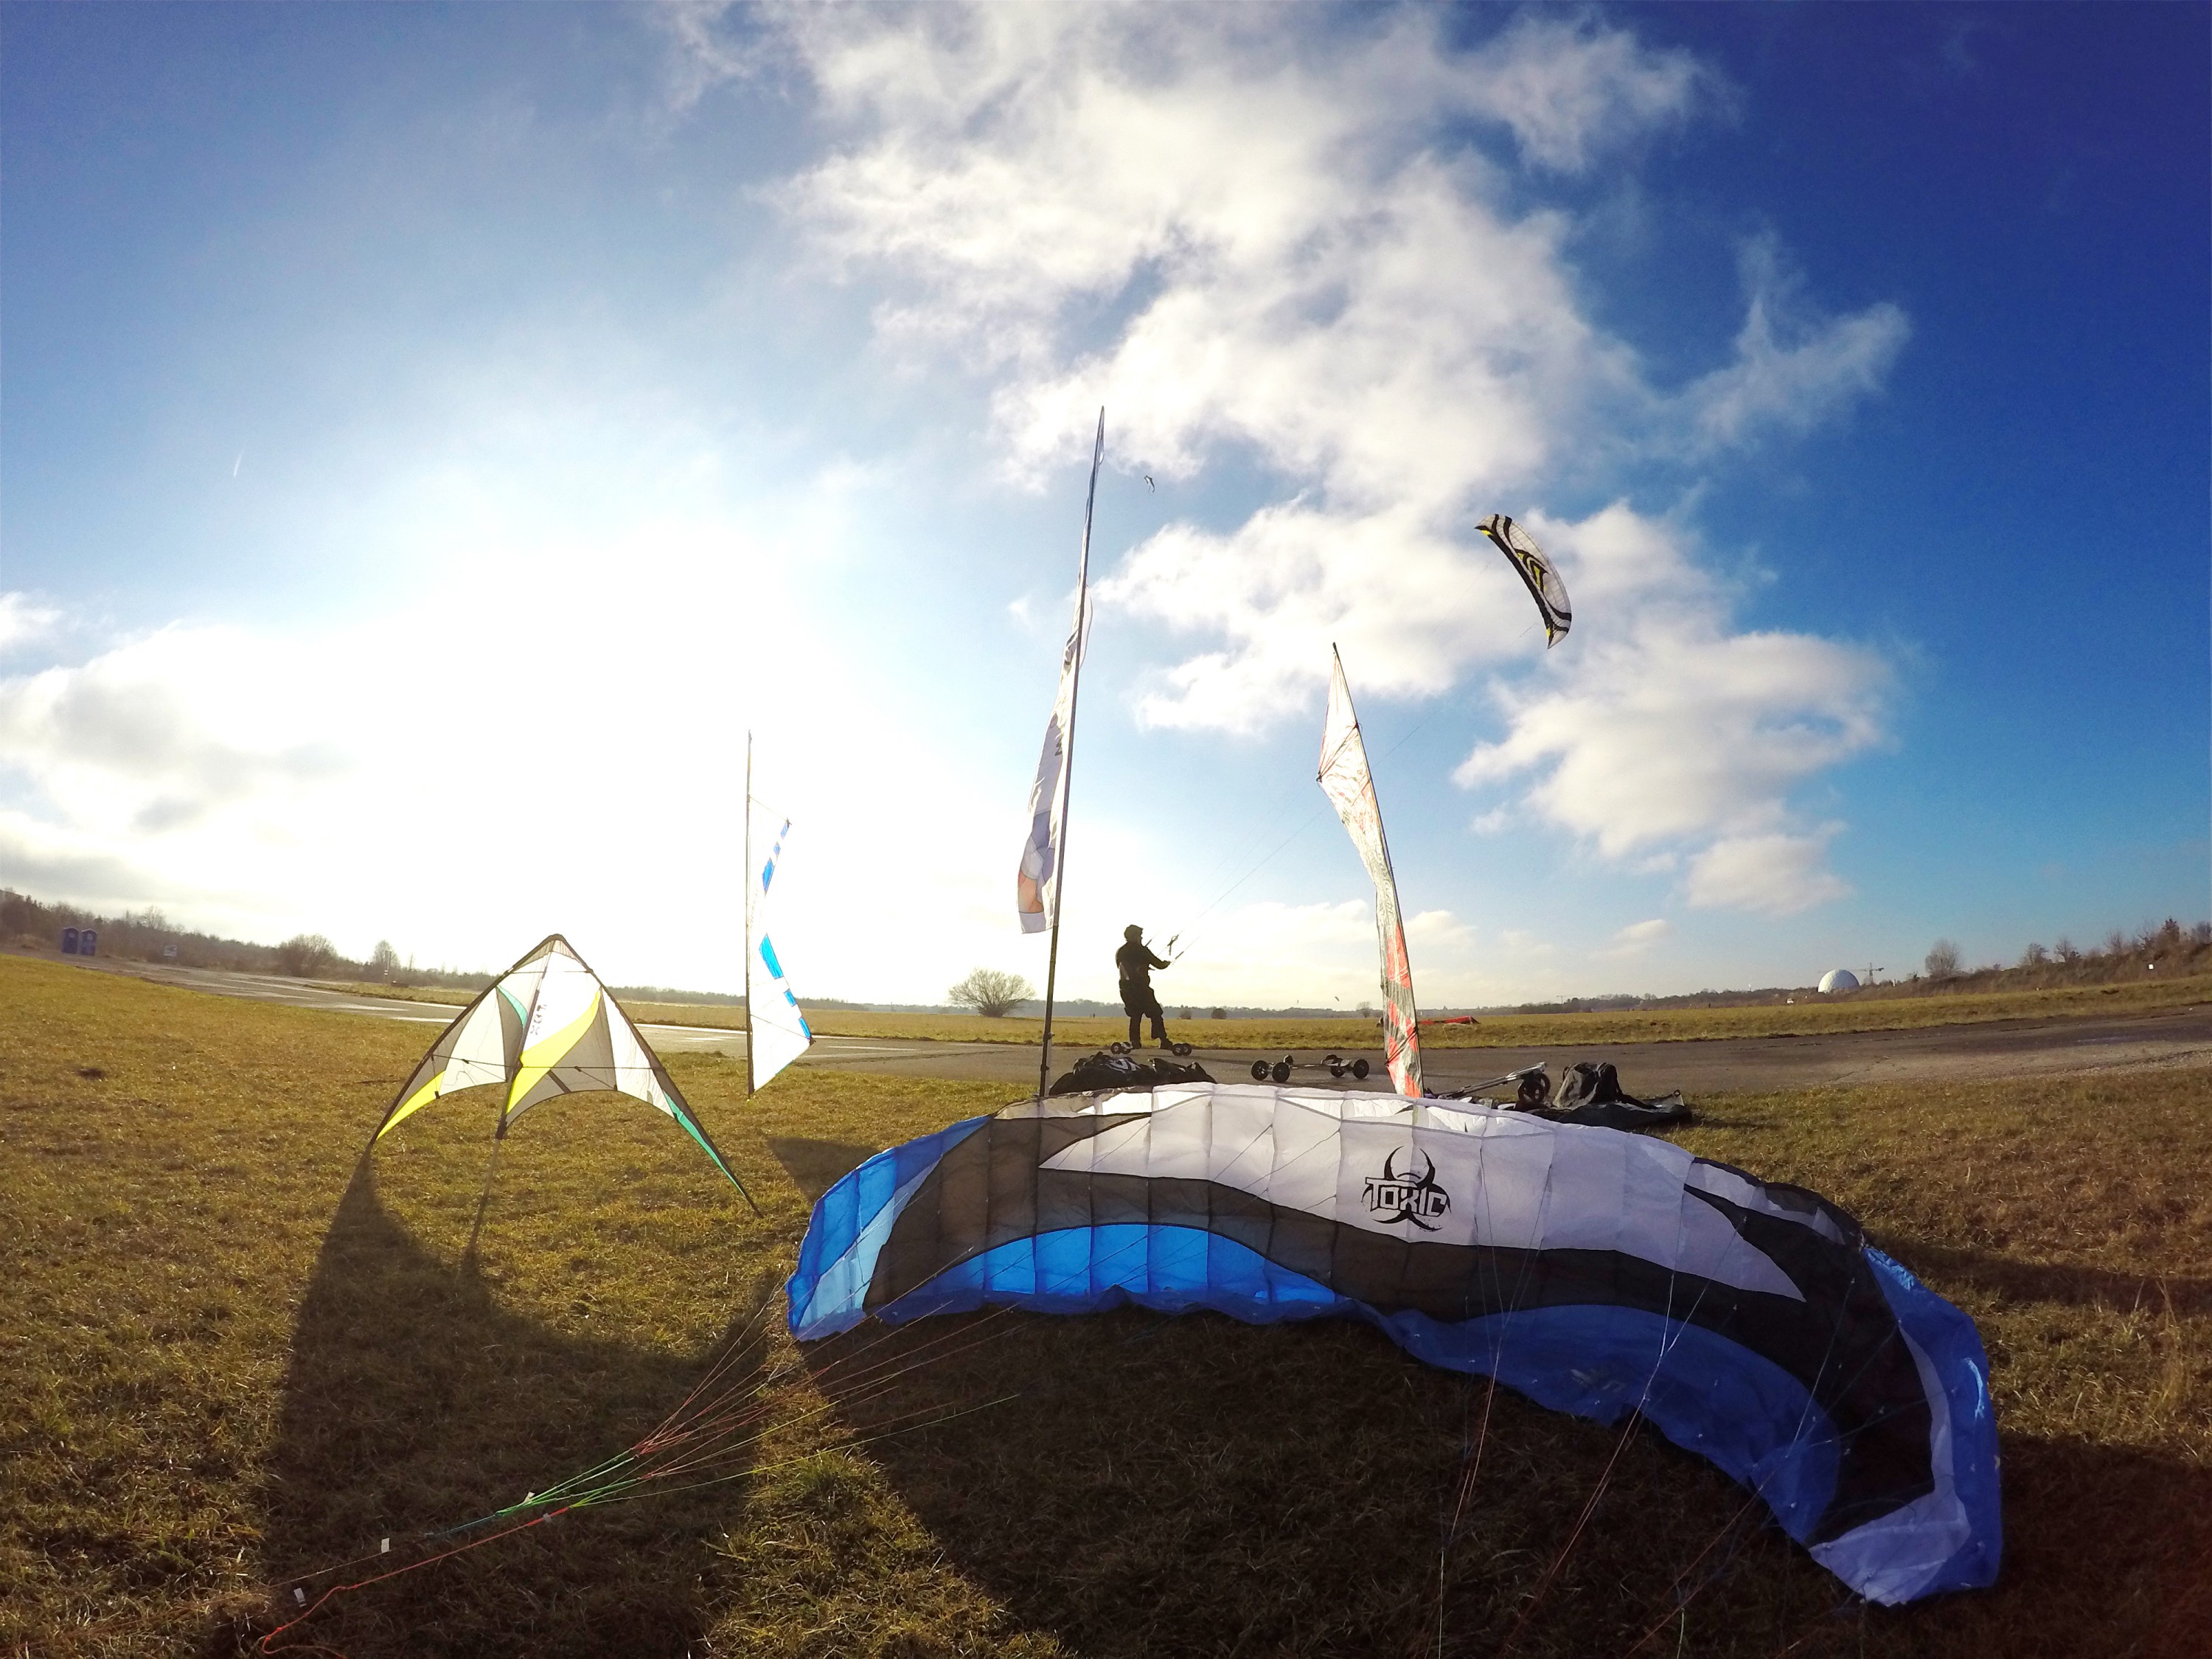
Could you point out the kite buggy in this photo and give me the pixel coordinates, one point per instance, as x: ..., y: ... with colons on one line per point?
x: 1336, y: 1065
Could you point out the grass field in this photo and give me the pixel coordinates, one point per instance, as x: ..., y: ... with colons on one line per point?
x: 1811, y: 1018
x: 232, y: 1357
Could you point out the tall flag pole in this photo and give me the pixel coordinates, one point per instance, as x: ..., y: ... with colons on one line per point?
x: 1349, y: 784
x: 1037, y: 886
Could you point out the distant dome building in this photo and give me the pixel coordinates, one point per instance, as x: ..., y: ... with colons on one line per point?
x: 1838, y: 979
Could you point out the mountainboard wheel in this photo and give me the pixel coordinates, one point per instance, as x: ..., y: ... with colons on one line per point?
x: 1180, y: 1049
x: 1280, y: 1070
x: 1335, y: 1067
x: 1117, y: 1048
x: 1258, y: 1070
x: 1359, y: 1068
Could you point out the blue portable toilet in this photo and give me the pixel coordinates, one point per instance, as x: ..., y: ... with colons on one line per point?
x: 86, y: 938
x: 69, y: 941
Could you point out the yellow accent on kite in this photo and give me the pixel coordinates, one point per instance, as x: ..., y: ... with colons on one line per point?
x: 553, y: 1047
x: 423, y: 1096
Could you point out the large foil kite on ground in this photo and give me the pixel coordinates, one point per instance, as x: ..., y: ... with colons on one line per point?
x: 1595, y: 1271
x: 1535, y: 570
x: 1350, y: 786
x: 547, y: 1027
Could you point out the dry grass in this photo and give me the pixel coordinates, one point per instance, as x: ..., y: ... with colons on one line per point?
x: 1808, y: 1018
x: 231, y: 1357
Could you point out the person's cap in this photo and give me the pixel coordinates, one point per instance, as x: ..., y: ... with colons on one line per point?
x: 1132, y: 931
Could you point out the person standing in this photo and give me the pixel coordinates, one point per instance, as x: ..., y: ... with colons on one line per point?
x: 1135, y: 963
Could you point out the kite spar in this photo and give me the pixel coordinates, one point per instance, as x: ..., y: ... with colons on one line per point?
x: 1037, y: 883
x: 1349, y: 784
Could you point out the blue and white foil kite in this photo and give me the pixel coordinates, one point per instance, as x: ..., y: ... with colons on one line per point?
x: 1595, y: 1271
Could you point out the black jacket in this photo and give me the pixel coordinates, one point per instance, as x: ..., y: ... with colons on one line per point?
x: 1136, y: 963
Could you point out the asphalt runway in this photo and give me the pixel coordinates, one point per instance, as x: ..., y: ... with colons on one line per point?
x: 1997, y: 1048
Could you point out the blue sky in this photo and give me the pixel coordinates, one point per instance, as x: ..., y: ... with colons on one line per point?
x: 430, y: 438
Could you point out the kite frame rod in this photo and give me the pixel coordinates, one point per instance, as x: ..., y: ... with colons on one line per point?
x: 1067, y: 756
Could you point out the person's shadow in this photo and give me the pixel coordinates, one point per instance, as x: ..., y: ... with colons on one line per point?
x: 412, y: 1401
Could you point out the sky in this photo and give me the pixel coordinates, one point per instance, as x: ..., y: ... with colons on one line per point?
x: 431, y: 439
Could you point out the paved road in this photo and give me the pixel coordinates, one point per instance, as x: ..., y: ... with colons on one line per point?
x: 2003, y: 1049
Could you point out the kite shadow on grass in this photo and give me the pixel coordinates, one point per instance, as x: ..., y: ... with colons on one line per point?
x: 1162, y: 1484
x: 414, y: 1402
x: 2035, y: 1281
x: 815, y: 1166
x: 1149, y: 1484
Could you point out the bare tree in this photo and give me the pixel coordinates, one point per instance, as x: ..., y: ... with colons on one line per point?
x: 991, y: 992
x: 384, y: 961
x: 2034, y: 957
x: 304, y: 955
x: 1942, y: 962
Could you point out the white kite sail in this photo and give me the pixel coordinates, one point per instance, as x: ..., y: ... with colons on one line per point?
x: 1350, y: 786
x: 776, y: 1031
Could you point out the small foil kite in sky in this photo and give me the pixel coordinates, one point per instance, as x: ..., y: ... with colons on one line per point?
x: 1544, y: 584
x: 547, y: 1027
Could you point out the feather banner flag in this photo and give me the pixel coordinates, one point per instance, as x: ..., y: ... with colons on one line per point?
x: 1350, y: 786
x: 776, y: 1029
x: 1036, y: 883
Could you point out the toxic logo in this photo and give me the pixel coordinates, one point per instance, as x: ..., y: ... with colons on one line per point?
x: 1408, y: 1196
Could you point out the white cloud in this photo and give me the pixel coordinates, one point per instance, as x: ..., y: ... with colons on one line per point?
x: 544, y: 730
x: 1262, y: 243
x: 1673, y: 735
x: 1570, y: 90
x: 1636, y: 939
x: 1439, y: 932
x: 1792, y: 368
x: 22, y: 622
x: 1779, y: 874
